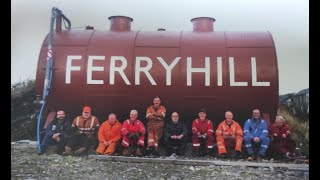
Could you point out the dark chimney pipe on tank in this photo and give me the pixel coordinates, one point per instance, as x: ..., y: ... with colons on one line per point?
x: 203, y: 24
x: 120, y: 23
x: 58, y: 23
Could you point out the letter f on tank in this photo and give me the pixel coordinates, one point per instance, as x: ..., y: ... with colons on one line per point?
x: 70, y: 68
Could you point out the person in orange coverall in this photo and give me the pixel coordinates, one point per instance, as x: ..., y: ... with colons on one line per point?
x: 155, y: 116
x: 229, y: 135
x: 109, y: 135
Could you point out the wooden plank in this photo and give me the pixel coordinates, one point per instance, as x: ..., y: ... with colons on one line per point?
x: 298, y: 169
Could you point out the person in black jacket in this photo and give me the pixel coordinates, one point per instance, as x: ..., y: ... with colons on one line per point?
x: 175, y: 136
x: 57, y: 133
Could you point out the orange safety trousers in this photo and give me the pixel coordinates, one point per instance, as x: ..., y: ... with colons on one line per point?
x: 155, y: 132
x: 108, y: 133
x: 229, y: 143
x: 103, y: 149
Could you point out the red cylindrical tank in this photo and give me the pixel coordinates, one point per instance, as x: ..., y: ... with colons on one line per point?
x: 121, y: 69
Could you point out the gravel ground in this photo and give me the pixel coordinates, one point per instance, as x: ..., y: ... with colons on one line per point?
x: 26, y: 164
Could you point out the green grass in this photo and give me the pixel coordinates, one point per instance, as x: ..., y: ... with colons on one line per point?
x: 300, y: 129
x: 22, y: 108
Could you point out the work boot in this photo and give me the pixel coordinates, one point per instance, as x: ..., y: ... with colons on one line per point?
x: 287, y: 157
x: 175, y: 149
x: 68, y: 151
x: 258, y: 158
x: 150, y: 151
x: 156, y: 154
x: 222, y: 156
x: 238, y: 155
x: 195, y: 153
x: 138, y: 152
x: 41, y: 152
x: 97, y: 153
x: 210, y: 152
x: 80, y: 151
x: 125, y: 151
x: 251, y: 157
x: 264, y: 158
x: 60, y: 146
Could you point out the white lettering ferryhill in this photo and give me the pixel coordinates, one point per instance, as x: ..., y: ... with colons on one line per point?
x: 167, y: 67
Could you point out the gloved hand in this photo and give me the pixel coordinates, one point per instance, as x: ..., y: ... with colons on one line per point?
x: 204, y: 136
x: 129, y: 134
x: 132, y: 136
x: 199, y: 135
x: 138, y: 133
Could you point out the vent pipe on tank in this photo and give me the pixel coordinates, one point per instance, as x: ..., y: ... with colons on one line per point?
x: 120, y: 23
x: 203, y: 24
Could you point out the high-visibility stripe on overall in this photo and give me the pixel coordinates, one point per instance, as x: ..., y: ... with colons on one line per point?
x: 224, y: 130
x: 127, y: 126
x: 204, y: 128
x: 85, y: 129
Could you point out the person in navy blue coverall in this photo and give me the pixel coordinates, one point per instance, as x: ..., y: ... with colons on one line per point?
x: 57, y: 133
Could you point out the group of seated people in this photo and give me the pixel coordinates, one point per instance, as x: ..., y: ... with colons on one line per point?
x: 128, y: 138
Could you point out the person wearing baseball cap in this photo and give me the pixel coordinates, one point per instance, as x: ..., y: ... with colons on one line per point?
x: 87, y: 109
x: 85, y: 130
x: 202, y: 134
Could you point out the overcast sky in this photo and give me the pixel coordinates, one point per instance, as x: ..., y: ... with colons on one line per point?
x: 287, y: 20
